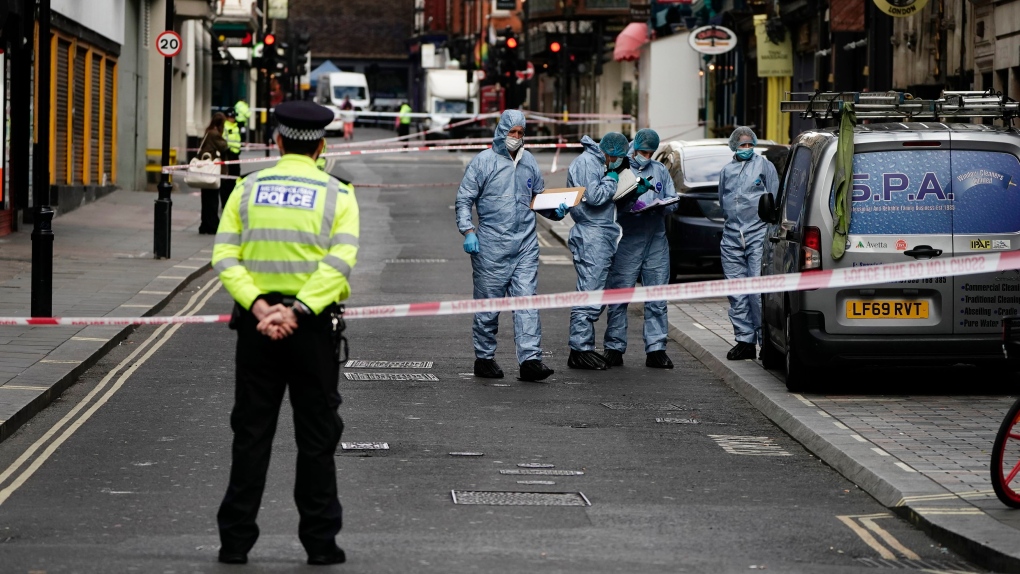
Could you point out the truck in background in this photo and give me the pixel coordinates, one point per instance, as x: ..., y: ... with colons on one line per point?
x: 671, y: 91
x: 447, y: 92
x: 334, y: 87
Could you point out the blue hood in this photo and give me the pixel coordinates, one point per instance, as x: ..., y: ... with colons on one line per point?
x: 510, y: 119
x: 593, y: 148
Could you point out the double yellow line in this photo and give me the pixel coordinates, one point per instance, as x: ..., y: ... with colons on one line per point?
x: 864, y: 525
x: 73, y: 420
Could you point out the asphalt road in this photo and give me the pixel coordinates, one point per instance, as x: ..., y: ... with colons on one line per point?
x: 131, y: 477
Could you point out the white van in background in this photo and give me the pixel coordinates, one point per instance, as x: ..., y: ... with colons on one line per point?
x: 335, y: 86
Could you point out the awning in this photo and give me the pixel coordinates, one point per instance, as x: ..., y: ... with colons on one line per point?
x: 629, y: 42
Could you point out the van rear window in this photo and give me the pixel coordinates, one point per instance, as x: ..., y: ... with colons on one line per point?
x: 986, y: 192
x: 901, y: 192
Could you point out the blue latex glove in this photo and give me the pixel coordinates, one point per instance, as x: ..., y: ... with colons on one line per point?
x: 562, y: 211
x: 613, y: 175
x: 643, y: 185
x: 471, y: 243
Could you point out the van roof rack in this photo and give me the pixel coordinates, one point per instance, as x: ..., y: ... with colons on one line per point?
x: 901, y: 105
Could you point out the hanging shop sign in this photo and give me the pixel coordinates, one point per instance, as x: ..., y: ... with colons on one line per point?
x: 712, y: 40
x: 774, y: 60
x: 900, y: 8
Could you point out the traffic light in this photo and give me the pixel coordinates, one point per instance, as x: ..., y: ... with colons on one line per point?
x: 269, y: 40
x: 509, y: 59
x: 301, y: 49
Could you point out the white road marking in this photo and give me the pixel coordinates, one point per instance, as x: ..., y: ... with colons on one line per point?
x: 90, y: 338
x: 905, y: 467
x: 153, y: 292
x: 59, y: 362
x: 858, y: 438
x: 803, y: 400
x: 749, y: 445
x: 824, y: 414
x: 840, y: 425
x: 880, y: 451
x: 163, y: 333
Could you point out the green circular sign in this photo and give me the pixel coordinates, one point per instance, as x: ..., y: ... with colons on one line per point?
x: 900, y: 8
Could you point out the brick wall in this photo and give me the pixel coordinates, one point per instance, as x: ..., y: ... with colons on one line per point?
x: 355, y: 29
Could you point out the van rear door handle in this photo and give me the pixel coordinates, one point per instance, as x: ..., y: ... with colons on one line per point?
x: 923, y: 252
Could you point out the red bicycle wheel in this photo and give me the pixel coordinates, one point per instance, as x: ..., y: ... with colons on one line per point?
x: 1006, y: 459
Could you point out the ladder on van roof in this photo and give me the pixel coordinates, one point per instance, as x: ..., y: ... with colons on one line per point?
x: 901, y: 105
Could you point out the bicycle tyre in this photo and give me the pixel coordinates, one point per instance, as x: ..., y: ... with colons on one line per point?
x: 1006, y: 481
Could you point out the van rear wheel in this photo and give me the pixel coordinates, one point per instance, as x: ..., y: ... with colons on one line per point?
x: 796, y: 371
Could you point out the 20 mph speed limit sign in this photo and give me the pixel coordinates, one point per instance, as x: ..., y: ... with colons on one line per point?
x: 168, y: 43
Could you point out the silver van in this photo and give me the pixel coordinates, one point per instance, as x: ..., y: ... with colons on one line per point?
x: 921, y: 191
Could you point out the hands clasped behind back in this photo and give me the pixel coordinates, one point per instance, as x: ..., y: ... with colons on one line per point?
x: 275, y: 321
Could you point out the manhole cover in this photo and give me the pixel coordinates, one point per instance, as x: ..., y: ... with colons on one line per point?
x: 676, y: 421
x: 424, y: 260
x: 365, y: 446
x: 388, y: 365
x: 520, y: 498
x: 390, y: 377
x: 541, y: 482
x: 536, y: 465
x: 925, y: 565
x: 642, y: 406
x: 467, y: 454
x: 542, y: 471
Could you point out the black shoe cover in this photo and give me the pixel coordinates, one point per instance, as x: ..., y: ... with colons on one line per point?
x: 487, y: 369
x: 741, y: 352
x: 586, y: 360
x: 613, y: 358
x: 534, y: 370
x: 658, y: 360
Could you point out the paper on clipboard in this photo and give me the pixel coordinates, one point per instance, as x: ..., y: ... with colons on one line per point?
x: 552, y: 198
x: 657, y: 203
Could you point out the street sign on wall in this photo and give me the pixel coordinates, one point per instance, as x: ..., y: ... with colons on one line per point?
x: 774, y: 60
x: 900, y: 8
x: 712, y: 40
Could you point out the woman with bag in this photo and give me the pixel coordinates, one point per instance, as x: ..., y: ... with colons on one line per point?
x: 213, y: 147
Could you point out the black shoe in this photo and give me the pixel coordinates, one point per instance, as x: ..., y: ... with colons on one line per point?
x: 337, y: 556
x: 613, y: 358
x: 586, y: 360
x: 233, y: 557
x: 658, y: 360
x: 741, y: 352
x: 534, y: 370
x: 487, y: 369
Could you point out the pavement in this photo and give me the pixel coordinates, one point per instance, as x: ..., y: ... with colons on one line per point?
x: 923, y: 456
x: 103, y: 265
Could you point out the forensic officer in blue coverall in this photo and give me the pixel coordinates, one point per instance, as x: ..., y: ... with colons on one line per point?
x: 500, y: 183
x: 594, y: 237
x: 742, y: 182
x: 643, y: 252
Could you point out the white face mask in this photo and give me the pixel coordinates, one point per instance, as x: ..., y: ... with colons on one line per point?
x: 513, y: 144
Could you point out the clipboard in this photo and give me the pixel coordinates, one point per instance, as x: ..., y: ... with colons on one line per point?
x: 552, y: 198
x: 657, y: 203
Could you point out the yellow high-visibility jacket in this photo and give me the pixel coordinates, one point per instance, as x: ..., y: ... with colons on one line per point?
x: 289, y: 229
x: 232, y: 133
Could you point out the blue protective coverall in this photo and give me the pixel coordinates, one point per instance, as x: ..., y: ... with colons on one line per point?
x: 643, y: 252
x: 501, y: 188
x: 593, y: 238
x: 741, y: 185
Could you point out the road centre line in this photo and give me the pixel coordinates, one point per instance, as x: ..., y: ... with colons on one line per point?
x: 200, y: 297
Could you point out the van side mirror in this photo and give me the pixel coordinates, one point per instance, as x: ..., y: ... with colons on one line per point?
x: 767, y: 209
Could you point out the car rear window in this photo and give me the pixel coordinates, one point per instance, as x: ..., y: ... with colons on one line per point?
x: 901, y: 192
x: 704, y: 164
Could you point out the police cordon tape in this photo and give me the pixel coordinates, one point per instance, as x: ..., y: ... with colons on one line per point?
x: 810, y: 280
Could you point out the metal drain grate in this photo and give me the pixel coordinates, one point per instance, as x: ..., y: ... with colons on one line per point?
x: 365, y: 446
x: 543, y: 471
x: 676, y: 421
x: 749, y: 445
x: 390, y: 377
x: 642, y: 406
x: 425, y: 260
x: 495, y: 498
x: 925, y: 565
x: 388, y: 365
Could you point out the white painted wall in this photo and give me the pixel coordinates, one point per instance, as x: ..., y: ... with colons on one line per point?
x: 103, y: 16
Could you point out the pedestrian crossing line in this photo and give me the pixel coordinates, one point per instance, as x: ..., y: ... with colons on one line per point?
x: 153, y: 343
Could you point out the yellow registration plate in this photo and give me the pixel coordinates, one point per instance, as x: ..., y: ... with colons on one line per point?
x: 886, y: 309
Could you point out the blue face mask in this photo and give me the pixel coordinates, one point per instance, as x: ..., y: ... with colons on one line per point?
x: 745, y: 154
x: 641, y: 160
x: 615, y: 164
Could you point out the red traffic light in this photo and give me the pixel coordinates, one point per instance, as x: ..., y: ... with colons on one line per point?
x: 554, y: 47
x: 270, y: 40
x: 246, y: 40
x: 511, y: 42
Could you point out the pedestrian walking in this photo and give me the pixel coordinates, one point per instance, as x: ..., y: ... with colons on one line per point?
x: 404, y: 120
x: 231, y: 133
x: 500, y: 183
x: 284, y: 251
x: 593, y: 237
x: 216, y: 146
x: 347, y: 115
x: 643, y: 253
x: 742, y: 182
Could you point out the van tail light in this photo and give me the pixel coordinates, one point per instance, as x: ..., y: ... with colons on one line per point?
x: 811, y: 250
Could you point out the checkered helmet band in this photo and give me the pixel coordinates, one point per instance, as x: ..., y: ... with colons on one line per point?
x: 301, y: 134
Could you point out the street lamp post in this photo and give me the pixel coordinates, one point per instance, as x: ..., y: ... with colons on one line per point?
x: 42, y: 229
x: 164, y: 205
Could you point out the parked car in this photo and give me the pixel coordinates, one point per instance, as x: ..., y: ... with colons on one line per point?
x: 694, y: 230
x: 920, y: 191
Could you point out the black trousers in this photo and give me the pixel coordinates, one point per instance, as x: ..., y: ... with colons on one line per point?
x: 210, y: 210
x: 305, y: 364
x: 227, y: 185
